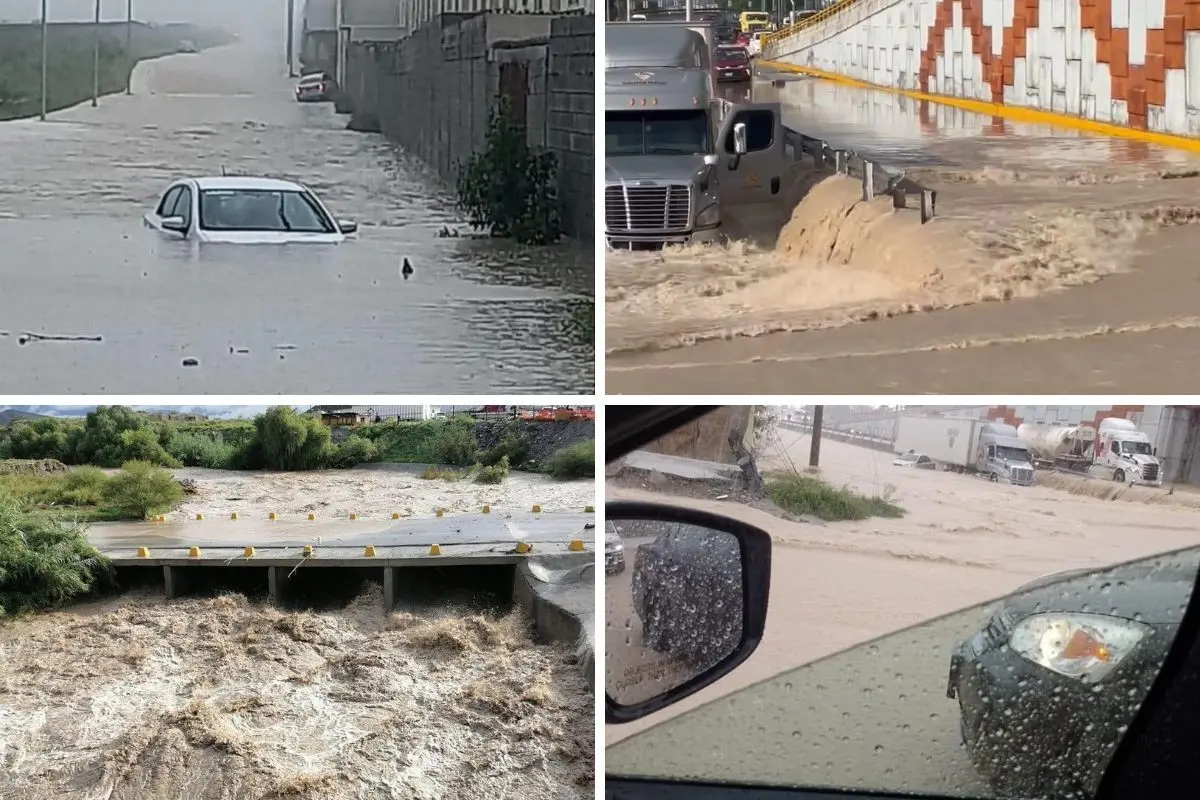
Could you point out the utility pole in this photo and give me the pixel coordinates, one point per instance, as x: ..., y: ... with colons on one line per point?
x: 96, y: 57
x: 129, y: 45
x: 291, y: 38
x: 45, y: 22
x: 814, y: 454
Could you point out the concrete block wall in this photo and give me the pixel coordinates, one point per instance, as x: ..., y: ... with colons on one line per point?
x: 571, y: 120
x: 1128, y: 62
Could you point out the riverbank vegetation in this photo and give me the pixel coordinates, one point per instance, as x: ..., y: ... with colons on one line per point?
x: 137, y: 490
x: 282, y: 438
x: 804, y: 494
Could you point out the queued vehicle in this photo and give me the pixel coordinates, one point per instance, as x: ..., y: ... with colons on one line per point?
x: 732, y: 63
x: 242, y: 210
x: 1058, y: 663
x: 317, y: 87
x: 684, y: 563
x: 614, y: 552
x: 913, y: 460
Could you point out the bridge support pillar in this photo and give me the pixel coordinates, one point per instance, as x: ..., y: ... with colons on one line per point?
x: 173, y: 580
x: 389, y: 589
x: 928, y: 205
x: 868, y: 182
x: 277, y: 581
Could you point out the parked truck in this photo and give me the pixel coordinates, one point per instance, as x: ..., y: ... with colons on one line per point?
x: 973, y: 446
x: 1115, y: 450
x: 674, y: 151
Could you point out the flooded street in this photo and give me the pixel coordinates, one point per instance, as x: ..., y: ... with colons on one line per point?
x: 880, y: 719
x: 1055, y: 258
x: 78, y: 262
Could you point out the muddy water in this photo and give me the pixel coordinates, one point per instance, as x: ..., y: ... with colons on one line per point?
x: 77, y: 261
x: 849, y: 296
x: 962, y: 541
x: 221, y: 699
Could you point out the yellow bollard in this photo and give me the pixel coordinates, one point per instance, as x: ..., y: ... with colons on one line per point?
x: 194, y: 552
x: 233, y: 515
x: 369, y: 551
x: 537, y: 509
x: 248, y: 552
x: 143, y: 552
x: 440, y: 513
x: 199, y: 518
x: 353, y: 515
x: 435, y: 549
x: 311, y: 517
x: 576, y: 545
x: 395, y: 515
x: 308, y: 550
x: 271, y: 515
x: 487, y: 509
x: 524, y: 547
x: 589, y: 509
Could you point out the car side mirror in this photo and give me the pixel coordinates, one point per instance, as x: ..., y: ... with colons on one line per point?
x: 690, y: 611
x: 176, y: 224
x: 347, y: 227
x: 739, y: 138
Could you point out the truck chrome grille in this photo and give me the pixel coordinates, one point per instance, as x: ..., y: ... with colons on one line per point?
x: 1150, y: 473
x: 647, y: 209
x: 1022, y: 475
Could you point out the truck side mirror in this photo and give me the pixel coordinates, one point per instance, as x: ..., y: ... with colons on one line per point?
x: 739, y: 138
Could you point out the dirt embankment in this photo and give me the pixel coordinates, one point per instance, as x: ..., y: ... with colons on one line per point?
x: 222, y: 699
x: 545, y: 438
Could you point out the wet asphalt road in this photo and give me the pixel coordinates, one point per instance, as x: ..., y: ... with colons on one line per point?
x: 477, y: 316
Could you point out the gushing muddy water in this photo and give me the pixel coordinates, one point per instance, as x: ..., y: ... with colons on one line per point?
x: 224, y: 699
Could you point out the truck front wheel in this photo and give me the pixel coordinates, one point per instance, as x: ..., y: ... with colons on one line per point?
x: 1119, y: 476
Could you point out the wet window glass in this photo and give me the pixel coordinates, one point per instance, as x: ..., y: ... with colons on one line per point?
x: 182, y: 207
x: 260, y: 210
x: 168, y: 201
x: 929, y: 632
x: 655, y: 133
x: 760, y: 130
x: 732, y: 54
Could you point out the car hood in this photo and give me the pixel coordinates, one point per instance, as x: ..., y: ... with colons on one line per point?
x: 653, y: 168
x: 1154, y: 591
x: 268, y: 237
x: 722, y: 63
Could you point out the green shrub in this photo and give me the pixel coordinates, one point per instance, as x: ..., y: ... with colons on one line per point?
x: 454, y: 445
x: 514, y: 448
x: 356, y: 450
x: 496, y: 473
x: 800, y: 494
x: 141, y: 489
x: 196, y: 449
x: 290, y: 441
x: 83, y: 486
x: 574, y: 461
x: 43, y: 562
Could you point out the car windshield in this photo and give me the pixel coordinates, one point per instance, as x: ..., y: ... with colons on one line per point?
x: 935, y: 634
x: 732, y: 54
x: 261, y: 210
x: 635, y: 133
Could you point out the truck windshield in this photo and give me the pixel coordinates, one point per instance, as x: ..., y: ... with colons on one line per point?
x: 1140, y: 448
x: 650, y: 133
x: 1012, y: 454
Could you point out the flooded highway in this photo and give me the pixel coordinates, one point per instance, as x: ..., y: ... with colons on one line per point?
x: 1084, y: 240
x: 165, y: 316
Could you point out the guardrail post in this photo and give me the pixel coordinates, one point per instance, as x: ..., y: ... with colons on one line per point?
x: 928, y: 204
x: 868, y: 182
x: 840, y: 162
x: 899, y: 199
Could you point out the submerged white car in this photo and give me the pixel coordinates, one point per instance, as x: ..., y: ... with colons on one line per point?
x: 238, y: 210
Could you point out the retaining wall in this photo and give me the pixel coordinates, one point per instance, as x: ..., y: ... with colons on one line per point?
x: 433, y: 92
x: 1133, y: 63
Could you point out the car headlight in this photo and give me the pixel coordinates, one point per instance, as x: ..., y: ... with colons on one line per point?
x: 615, y: 548
x: 1084, y: 646
x: 709, y: 216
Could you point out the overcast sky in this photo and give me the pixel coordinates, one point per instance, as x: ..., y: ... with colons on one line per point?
x: 222, y: 412
x: 243, y: 16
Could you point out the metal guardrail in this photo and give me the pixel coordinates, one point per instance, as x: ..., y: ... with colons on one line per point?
x: 876, y: 181
x: 807, y: 22
x: 861, y: 439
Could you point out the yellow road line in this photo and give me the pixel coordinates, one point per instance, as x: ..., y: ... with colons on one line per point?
x: 1016, y: 113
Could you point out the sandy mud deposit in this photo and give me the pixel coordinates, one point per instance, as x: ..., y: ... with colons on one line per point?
x: 222, y: 699
x: 371, y: 491
x: 1000, y: 234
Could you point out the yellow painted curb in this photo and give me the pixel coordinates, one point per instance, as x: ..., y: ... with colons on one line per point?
x: 143, y: 552
x: 1016, y: 113
x: 369, y: 551
x: 435, y: 549
x: 193, y: 552
x: 576, y: 545
x: 248, y: 552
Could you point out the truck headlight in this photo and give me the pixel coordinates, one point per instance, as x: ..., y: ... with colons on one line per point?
x: 1083, y: 646
x: 709, y: 216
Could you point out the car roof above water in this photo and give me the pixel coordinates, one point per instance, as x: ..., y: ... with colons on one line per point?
x: 228, y: 182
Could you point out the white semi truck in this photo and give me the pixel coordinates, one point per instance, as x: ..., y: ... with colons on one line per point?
x: 1116, y: 450
x: 972, y: 446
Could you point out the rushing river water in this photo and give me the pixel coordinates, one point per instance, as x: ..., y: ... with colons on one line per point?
x: 176, y: 317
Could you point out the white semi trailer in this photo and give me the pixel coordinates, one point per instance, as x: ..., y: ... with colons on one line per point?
x: 1116, y: 450
x: 968, y: 445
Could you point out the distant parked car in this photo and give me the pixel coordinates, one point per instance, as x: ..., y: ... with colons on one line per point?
x: 914, y: 460
x: 188, y: 47
x: 240, y: 210
x: 317, y: 87
x: 732, y: 63
x: 614, y: 552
